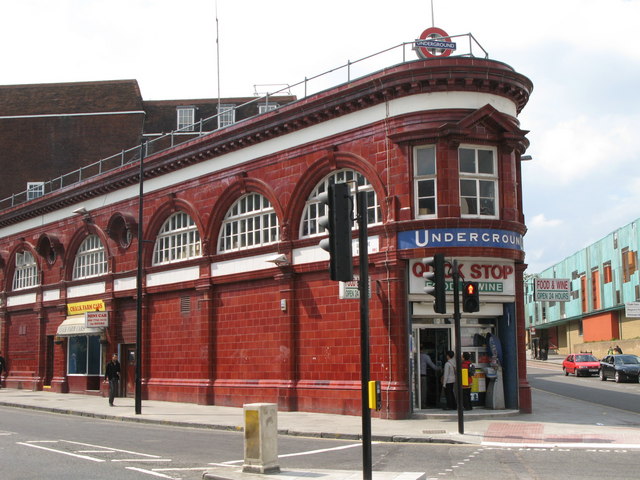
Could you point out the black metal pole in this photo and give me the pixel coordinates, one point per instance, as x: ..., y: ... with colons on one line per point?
x: 138, y: 389
x: 364, y: 335
x: 456, y: 328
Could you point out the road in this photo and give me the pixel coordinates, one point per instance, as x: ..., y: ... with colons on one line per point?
x: 550, y: 378
x: 52, y: 446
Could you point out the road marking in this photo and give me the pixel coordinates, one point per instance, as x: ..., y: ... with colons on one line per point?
x: 151, y: 472
x: 309, y: 452
x: 113, y: 449
x: 545, y: 446
x: 85, y: 457
x: 141, y: 460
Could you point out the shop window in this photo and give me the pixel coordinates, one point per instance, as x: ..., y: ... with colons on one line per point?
x: 595, y: 289
x: 424, y: 167
x: 90, y: 260
x: 606, y: 272
x: 226, y: 115
x: 251, y: 222
x: 314, y: 209
x: 478, y: 182
x: 583, y: 293
x: 26, y: 273
x: 186, y: 118
x: 177, y: 241
x: 84, y: 355
x: 629, y: 264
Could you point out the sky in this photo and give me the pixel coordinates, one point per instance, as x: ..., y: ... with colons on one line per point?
x: 582, y: 56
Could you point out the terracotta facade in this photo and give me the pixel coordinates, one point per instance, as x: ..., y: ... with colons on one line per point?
x: 230, y: 328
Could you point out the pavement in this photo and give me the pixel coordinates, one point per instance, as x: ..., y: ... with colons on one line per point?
x: 554, y: 423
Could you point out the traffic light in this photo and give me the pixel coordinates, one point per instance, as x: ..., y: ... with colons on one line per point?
x: 470, y: 297
x: 436, y: 276
x: 337, y: 220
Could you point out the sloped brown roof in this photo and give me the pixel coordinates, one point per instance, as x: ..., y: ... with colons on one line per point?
x: 67, y: 98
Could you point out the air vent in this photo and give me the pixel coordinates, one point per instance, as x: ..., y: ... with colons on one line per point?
x: 185, y: 304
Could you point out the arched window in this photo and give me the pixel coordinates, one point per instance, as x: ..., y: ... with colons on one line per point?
x: 90, y: 259
x: 177, y: 241
x: 251, y: 222
x: 314, y: 209
x: 26, y: 273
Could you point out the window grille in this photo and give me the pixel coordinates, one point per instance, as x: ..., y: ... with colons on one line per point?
x: 90, y: 259
x: 314, y: 209
x: 26, y: 273
x: 177, y: 241
x: 250, y: 222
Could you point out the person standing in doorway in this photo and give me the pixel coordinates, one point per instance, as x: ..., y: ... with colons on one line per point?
x: 3, y: 368
x: 113, y: 375
x: 449, y: 381
x: 466, y: 388
x: 427, y: 367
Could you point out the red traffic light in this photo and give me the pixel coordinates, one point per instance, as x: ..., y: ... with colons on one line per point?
x: 470, y: 297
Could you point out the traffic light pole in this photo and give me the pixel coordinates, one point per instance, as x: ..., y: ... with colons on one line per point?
x: 456, y: 327
x: 364, y: 334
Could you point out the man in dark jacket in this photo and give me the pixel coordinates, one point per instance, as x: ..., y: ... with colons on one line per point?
x: 113, y: 375
x: 3, y: 367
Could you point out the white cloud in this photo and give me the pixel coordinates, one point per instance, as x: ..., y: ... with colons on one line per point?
x: 541, y: 221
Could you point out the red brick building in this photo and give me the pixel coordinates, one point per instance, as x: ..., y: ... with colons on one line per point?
x: 436, y: 145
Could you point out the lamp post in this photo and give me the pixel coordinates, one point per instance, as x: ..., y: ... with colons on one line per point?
x: 138, y: 389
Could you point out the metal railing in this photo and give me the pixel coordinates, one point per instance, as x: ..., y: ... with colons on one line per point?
x: 322, y: 81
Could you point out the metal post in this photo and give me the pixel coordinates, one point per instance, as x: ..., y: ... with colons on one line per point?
x: 456, y: 326
x: 138, y: 389
x: 364, y: 334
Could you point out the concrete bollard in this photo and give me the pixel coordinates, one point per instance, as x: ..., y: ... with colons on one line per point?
x: 261, y: 438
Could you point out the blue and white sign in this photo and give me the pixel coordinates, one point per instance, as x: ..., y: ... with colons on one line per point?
x: 436, y: 44
x: 460, y: 237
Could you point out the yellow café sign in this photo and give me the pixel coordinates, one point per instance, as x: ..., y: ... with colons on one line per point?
x: 81, y: 307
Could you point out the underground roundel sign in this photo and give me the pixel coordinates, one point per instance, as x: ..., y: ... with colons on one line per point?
x: 434, y: 42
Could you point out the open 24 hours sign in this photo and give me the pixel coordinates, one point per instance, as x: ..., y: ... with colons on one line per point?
x: 494, y: 277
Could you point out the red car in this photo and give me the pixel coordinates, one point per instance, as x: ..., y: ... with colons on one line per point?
x: 581, y: 364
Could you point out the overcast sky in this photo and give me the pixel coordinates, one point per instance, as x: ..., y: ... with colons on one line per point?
x: 582, y: 56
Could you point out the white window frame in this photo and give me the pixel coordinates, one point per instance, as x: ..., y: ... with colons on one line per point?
x: 425, y: 175
x: 178, y: 240
x: 226, y: 115
x: 314, y: 209
x: 267, y: 107
x: 90, y: 259
x: 250, y: 222
x: 480, y: 179
x: 185, y: 118
x: 26, y: 273
x: 35, y: 190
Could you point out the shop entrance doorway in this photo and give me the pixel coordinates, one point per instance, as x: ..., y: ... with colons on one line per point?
x: 434, y: 342
x: 128, y: 383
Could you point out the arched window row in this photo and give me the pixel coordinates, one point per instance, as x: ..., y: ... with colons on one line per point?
x: 250, y: 222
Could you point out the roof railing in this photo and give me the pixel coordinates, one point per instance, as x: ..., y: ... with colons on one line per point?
x: 322, y: 81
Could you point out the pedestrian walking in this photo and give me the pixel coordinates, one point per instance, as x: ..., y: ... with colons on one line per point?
x: 113, y: 375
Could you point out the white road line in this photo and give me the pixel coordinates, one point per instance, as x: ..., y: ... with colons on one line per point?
x: 110, y: 448
x: 181, y: 469
x: 310, y: 452
x: 85, y: 457
x: 617, y: 446
x: 141, y: 460
x: 150, y: 472
x: 95, y: 451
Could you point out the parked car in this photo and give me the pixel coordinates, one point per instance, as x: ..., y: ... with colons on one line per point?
x: 581, y: 364
x: 620, y: 367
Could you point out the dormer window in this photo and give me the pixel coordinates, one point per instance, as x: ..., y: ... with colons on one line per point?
x: 186, y: 118
x: 226, y: 115
x: 35, y: 190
